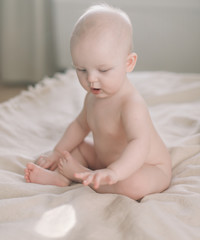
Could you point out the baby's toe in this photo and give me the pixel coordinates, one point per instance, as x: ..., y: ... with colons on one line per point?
x: 26, y: 177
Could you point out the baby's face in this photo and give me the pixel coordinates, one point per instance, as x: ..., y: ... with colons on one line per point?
x: 100, y: 64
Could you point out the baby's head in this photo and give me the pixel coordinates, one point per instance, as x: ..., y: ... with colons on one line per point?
x: 101, y: 26
x: 101, y: 48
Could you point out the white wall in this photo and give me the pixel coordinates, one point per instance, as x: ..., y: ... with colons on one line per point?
x: 26, y: 47
x: 166, y: 32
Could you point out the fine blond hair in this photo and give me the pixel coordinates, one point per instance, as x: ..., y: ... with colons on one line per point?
x: 118, y: 20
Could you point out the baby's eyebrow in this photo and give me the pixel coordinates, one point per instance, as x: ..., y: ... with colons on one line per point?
x: 104, y: 65
x: 74, y: 66
x: 98, y: 66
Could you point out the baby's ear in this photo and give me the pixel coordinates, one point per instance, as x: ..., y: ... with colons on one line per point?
x: 131, y: 61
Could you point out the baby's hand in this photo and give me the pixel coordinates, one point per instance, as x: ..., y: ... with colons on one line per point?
x: 49, y: 160
x: 98, y: 177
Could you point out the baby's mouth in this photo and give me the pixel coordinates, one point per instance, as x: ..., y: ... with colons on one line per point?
x: 95, y: 90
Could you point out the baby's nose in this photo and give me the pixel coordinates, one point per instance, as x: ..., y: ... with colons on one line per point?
x: 95, y: 85
x: 91, y: 77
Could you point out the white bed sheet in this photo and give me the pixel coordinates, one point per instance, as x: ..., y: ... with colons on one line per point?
x: 33, y: 122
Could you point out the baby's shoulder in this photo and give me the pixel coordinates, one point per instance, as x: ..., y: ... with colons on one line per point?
x: 133, y: 100
x: 134, y: 107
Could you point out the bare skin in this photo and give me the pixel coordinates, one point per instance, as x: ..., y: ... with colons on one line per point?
x: 72, y: 169
x: 128, y: 156
x: 36, y: 174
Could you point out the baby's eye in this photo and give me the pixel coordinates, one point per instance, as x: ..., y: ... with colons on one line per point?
x: 104, y: 70
x: 81, y: 70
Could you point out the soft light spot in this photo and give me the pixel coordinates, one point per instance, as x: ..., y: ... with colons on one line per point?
x: 56, y: 222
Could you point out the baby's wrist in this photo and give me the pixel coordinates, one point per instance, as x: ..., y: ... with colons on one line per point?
x: 58, y: 152
x: 114, y: 175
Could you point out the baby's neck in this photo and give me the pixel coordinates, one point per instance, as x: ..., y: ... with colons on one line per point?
x: 125, y: 89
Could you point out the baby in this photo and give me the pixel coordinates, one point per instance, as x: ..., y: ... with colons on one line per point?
x: 127, y: 155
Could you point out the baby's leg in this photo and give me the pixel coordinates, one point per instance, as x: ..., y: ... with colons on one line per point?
x: 148, y: 179
x: 82, y: 159
x: 68, y: 165
x: 37, y: 174
x: 75, y: 163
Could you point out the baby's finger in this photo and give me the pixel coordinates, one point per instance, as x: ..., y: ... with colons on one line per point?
x: 82, y: 176
x: 53, y: 166
x: 110, y: 180
x: 41, y: 161
x: 97, y: 181
x: 46, y: 164
x: 88, y: 180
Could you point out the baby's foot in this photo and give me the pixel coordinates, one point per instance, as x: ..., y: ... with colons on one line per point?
x: 68, y: 166
x: 49, y: 160
x: 36, y: 174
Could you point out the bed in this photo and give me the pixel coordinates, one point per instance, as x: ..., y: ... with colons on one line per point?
x: 32, y: 123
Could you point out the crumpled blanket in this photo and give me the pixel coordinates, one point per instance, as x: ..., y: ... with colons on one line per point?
x: 33, y: 122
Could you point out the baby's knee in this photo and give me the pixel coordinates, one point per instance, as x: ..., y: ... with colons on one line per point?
x: 138, y: 191
x: 135, y: 190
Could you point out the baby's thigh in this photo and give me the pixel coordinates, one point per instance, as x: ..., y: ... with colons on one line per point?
x: 148, y: 179
x: 86, y: 155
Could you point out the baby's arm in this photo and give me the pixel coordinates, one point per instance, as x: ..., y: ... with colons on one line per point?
x: 72, y: 137
x: 137, y: 125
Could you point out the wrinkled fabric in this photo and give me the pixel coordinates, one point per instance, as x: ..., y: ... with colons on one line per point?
x: 33, y: 122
